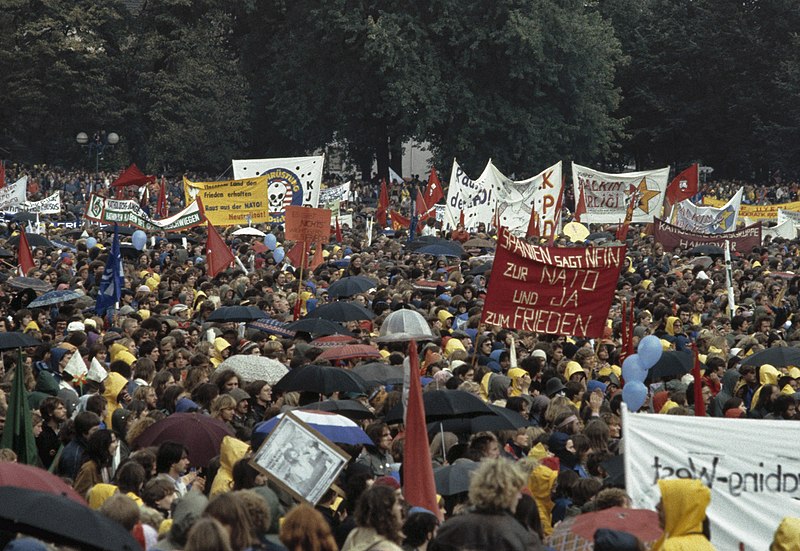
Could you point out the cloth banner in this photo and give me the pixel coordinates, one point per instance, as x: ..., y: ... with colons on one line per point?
x: 440, y: 210
x: 750, y: 465
x: 784, y: 215
x: 607, y: 195
x: 49, y: 205
x: 672, y: 237
x: 129, y: 213
x: 14, y: 194
x: 756, y: 212
x: 786, y: 229
x: 290, y: 181
x: 234, y: 202
x: 554, y: 290
x: 307, y: 224
x: 517, y: 199
x: 332, y: 194
x: 476, y: 198
x: 344, y: 220
x: 690, y: 217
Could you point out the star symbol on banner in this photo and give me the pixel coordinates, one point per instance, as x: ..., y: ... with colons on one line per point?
x: 726, y: 221
x: 645, y: 195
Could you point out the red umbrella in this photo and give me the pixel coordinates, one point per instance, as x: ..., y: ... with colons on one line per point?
x: 201, y: 434
x: 34, y: 478
x: 332, y: 341
x: 350, y: 351
x: 577, y: 534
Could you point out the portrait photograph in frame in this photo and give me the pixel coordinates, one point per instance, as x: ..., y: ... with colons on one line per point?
x: 299, y: 459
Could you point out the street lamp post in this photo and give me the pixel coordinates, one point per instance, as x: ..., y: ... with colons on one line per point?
x: 97, y: 145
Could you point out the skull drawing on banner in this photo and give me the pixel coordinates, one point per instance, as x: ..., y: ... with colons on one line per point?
x: 278, y: 192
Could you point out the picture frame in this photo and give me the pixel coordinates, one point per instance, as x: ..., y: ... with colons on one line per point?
x: 299, y: 459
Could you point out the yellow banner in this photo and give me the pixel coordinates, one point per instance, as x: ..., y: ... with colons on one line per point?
x: 232, y: 202
x: 755, y: 212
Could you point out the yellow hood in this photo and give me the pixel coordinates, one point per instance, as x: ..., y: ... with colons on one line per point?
x: 516, y: 373
x: 670, y: 325
x: 572, y: 369
x: 768, y: 375
x: 113, y: 384
x: 684, y: 502
x: 787, y: 536
x: 453, y: 345
x: 99, y: 493
x: 231, y: 450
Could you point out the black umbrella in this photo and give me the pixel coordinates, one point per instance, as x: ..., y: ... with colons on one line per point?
x: 425, y: 240
x: 24, y: 217
x: 128, y: 251
x: 5, y: 253
x: 706, y: 250
x: 500, y: 419
x: 349, y: 286
x: 237, y: 313
x: 452, y: 248
x: 352, y: 409
x: 381, y: 373
x: 318, y: 326
x: 179, y: 237
x: 776, y: 356
x: 34, y: 240
x: 23, y: 299
x: 321, y: 379
x: 444, y: 404
x: 481, y: 268
x: 600, y: 235
x: 32, y: 283
x: 122, y: 230
x: 454, y: 479
x: 61, y: 520
x: 341, y: 311
x: 15, y: 339
x: 672, y: 364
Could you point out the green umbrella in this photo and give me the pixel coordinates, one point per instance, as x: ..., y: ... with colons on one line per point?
x: 18, y: 431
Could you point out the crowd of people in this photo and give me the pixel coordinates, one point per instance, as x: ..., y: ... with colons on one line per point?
x: 161, y: 356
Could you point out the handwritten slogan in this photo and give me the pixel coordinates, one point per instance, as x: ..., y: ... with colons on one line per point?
x: 308, y: 224
x: 671, y: 237
x: 553, y: 290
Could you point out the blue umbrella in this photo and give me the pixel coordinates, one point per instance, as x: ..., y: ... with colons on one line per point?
x: 272, y: 327
x: 55, y: 297
x: 335, y: 428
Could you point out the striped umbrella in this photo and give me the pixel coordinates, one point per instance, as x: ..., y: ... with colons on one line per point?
x: 335, y: 428
x: 272, y: 327
x: 332, y: 341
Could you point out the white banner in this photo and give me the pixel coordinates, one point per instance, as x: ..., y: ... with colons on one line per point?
x: 293, y: 180
x: 14, y: 194
x: 750, y: 465
x: 606, y: 196
x: 690, y: 217
x: 477, y: 199
x: 343, y: 219
x: 784, y: 215
x: 333, y: 194
x: 786, y: 229
x: 517, y: 199
x: 49, y: 205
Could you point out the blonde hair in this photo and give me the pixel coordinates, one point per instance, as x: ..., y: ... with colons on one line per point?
x: 496, y: 484
x: 221, y: 402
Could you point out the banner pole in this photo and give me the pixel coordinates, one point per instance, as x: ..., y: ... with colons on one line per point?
x: 298, y: 303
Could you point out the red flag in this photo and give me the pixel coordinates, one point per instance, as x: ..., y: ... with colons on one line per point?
x: 419, y: 489
x: 399, y: 221
x: 318, y: 259
x: 2, y: 174
x: 461, y: 219
x: 338, y: 231
x: 163, y: 205
x: 24, y: 254
x: 420, y: 209
x: 557, y: 215
x: 580, y: 207
x: 622, y: 231
x: 383, y: 205
x: 433, y: 191
x: 699, y: 405
x: 684, y: 185
x: 297, y: 256
x: 534, y: 228
x: 218, y: 254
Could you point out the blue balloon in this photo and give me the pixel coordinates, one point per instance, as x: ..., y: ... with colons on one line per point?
x: 271, y: 242
x: 634, y: 394
x: 139, y: 239
x: 91, y: 243
x: 650, y: 351
x: 633, y: 370
x: 278, y: 254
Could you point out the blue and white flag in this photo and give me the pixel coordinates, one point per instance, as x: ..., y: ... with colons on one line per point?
x: 111, y: 283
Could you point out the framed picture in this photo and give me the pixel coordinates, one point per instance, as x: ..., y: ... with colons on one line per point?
x: 299, y: 459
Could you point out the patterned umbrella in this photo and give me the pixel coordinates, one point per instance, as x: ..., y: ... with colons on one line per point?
x: 272, y: 327
x: 38, y: 285
x: 253, y: 368
x: 332, y: 341
x: 55, y: 297
x: 335, y: 428
x: 577, y: 533
x: 350, y: 351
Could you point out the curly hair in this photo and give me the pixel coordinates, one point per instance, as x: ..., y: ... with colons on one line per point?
x: 305, y: 529
x: 374, y: 510
x: 496, y: 484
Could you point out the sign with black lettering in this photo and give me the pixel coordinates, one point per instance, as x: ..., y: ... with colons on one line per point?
x: 553, y: 290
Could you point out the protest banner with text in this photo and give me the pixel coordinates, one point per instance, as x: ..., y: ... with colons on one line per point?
x: 232, y: 202
x: 750, y: 465
x: 517, y: 199
x: 722, y: 219
x: 553, y: 290
x: 14, y: 194
x: 475, y: 199
x: 49, y: 205
x: 756, y: 212
x: 306, y: 224
x: 672, y: 237
x: 606, y: 196
x: 129, y: 213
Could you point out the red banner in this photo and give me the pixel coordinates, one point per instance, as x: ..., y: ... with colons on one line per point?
x: 673, y: 237
x: 554, y: 290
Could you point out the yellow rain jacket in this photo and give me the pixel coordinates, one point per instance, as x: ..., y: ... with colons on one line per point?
x: 767, y: 375
x: 114, y: 384
x: 541, y: 482
x: 516, y: 374
x: 684, y: 505
x: 231, y: 450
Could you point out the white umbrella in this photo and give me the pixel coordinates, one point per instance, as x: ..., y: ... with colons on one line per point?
x: 405, y: 325
x: 253, y: 368
x: 249, y: 231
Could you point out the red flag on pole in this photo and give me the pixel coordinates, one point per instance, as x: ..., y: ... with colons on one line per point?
x: 557, y: 215
x: 383, y: 205
x: 339, y: 237
x: 419, y: 489
x: 24, y: 254
x: 622, y: 231
x: 433, y: 191
x: 163, y: 205
x: 684, y: 185
x: 218, y: 254
x: 421, y: 209
x: 298, y: 256
x: 580, y: 207
x: 534, y: 229
x: 699, y: 405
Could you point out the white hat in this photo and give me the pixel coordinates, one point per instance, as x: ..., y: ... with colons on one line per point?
x: 178, y: 308
x: 76, y: 326
x: 539, y: 353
